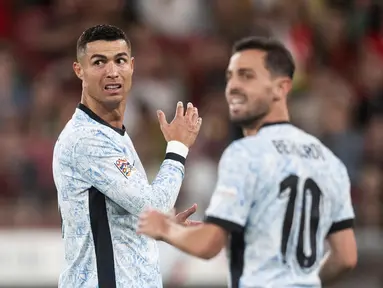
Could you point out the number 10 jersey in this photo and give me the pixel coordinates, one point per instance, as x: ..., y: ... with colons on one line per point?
x: 279, y: 194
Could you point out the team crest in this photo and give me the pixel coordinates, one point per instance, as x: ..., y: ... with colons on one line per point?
x: 125, y: 167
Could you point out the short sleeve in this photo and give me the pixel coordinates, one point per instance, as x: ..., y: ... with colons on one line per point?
x: 343, y: 213
x: 233, y: 195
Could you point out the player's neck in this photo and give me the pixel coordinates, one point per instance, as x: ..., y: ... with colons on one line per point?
x: 281, y: 116
x: 113, y: 116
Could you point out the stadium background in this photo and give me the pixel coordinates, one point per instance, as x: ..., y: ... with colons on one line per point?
x: 181, y: 49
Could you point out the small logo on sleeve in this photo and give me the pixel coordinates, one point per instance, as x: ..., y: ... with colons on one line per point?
x: 125, y: 167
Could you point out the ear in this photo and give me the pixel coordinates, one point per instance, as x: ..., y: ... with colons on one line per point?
x: 282, y: 87
x: 77, y: 68
x: 132, y: 64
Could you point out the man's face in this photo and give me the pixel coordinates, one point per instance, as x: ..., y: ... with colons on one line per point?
x: 106, y: 69
x: 249, y: 88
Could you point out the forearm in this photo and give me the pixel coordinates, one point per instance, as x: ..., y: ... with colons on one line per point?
x: 168, y: 181
x: 192, y: 240
x: 166, y: 186
x: 134, y: 193
x: 332, y: 269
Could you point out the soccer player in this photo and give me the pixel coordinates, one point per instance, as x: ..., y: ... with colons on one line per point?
x: 280, y: 192
x: 102, y: 186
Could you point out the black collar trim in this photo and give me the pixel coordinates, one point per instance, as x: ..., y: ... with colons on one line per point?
x: 273, y: 123
x: 95, y: 117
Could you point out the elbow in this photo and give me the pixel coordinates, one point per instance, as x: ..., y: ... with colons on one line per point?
x: 208, y: 254
x: 346, y: 262
x: 208, y: 250
x: 213, y: 245
x: 350, y: 262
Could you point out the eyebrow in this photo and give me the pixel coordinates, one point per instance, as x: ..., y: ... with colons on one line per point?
x: 240, y: 70
x: 245, y: 70
x: 104, y: 57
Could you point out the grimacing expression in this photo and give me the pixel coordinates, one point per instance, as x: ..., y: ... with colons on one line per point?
x: 249, y: 87
x: 106, y: 70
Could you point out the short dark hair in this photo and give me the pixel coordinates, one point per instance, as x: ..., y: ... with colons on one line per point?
x: 101, y: 32
x: 278, y: 60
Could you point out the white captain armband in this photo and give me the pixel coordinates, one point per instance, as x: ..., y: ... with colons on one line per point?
x: 177, y: 151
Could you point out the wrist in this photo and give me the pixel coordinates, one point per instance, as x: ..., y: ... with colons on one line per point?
x: 166, y: 231
x: 177, y: 151
x: 177, y: 147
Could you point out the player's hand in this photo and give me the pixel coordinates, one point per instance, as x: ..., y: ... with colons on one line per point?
x: 182, y: 218
x: 184, y: 127
x: 154, y: 224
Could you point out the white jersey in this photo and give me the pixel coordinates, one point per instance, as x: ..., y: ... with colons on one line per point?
x: 102, y: 188
x: 279, y: 193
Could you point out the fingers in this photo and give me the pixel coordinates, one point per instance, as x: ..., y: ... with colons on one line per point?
x: 142, y: 224
x: 194, y: 223
x: 180, y: 109
x: 148, y: 214
x: 153, y: 223
x: 192, y: 113
x: 189, y: 110
x: 142, y: 228
x: 183, y: 128
x: 181, y: 217
x: 198, y: 125
x: 162, y: 118
x: 145, y: 221
x: 190, y: 211
x: 194, y: 116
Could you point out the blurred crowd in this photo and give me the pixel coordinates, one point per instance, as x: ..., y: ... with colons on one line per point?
x: 181, y: 50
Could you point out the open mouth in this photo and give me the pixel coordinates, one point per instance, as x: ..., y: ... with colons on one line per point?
x: 112, y: 87
x: 236, y: 101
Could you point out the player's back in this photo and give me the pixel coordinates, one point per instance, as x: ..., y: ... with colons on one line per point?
x: 298, y: 191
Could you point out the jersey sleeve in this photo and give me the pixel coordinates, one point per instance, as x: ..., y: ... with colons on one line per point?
x: 343, y: 213
x: 233, y: 196
x: 104, y: 165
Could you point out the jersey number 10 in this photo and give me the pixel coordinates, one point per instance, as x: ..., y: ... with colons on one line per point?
x: 308, y: 223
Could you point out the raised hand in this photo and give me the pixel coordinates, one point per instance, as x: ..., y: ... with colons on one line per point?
x: 184, y: 127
